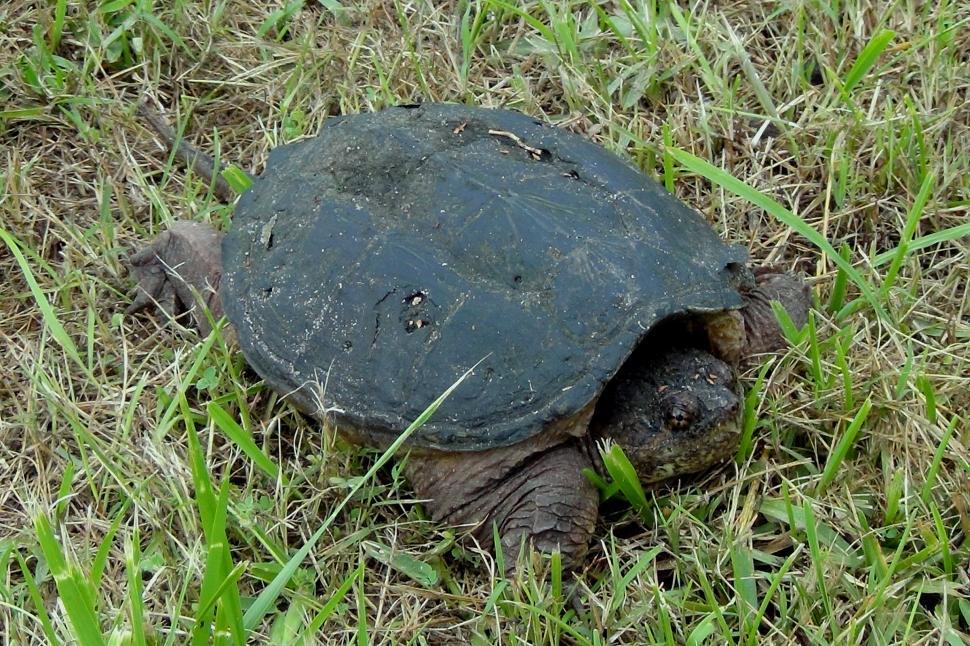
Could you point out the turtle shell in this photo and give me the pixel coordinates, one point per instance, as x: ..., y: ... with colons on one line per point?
x: 370, y: 266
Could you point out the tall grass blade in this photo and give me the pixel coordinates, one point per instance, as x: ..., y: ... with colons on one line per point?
x: 219, y: 570
x: 361, y: 611
x: 818, y: 558
x: 262, y: 604
x: 930, y: 239
x: 76, y: 593
x: 243, y: 440
x: 745, y: 586
x: 46, y: 309
x: 783, y: 215
x: 37, y: 599
x: 750, y: 419
x: 547, y: 34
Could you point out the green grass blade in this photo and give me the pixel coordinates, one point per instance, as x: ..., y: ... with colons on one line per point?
x: 894, y: 494
x: 331, y: 605
x: 745, y: 586
x: 815, y: 355
x: 760, y: 91
x: 867, y: 58
x: 925, y: 386
x: 46, y: 309
x: 38, y: 600
x: 622, y: 472
x: 818, y: 558
x: 941, y: 450
x: 643, y: 560
x: 136, y: 605
x: 497, y: 549
x: 785, y: 511
x: 205, y: 499
x: 243, y: 440
x: 361, y: 611
x: 843, y: 347
x: 187, y: 380
x: 938, y: 237
x: 783, y: 215
x: 237, y: 178
x: 713, y: 81
x: 837, y: 456
x: 107, y: 542
x: 267, y: 598
x: 749, y: 421
x: 791, y: 333
x: 213, y: 512
x: 57, y: 27
x: 406, y: 564
x: 837, y: 295
x: 872, y: 550
x: 64, y: 491
x: 217, y: 593
x: 912, y: 219
x: 72, y: 586
x: 670, y: 173
x: 214, y: 575
x: 555, y: 570
x: 666, y: 625
x: 547, y: 34
x: 702, y: 631
x: 778, y: 577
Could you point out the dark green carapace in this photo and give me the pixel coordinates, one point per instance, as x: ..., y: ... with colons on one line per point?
x: 371, y: 265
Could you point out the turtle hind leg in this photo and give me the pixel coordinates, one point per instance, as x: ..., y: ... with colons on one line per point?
x: 179, y: 273
x: 534, y: 495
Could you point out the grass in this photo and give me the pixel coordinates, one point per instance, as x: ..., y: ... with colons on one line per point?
x: 156, y: 492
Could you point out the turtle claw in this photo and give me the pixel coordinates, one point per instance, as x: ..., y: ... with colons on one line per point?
x: 152, y: 289
x: 179, y: 271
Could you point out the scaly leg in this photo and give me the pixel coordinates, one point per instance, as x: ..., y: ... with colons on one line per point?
x: 179, y: 273
x: 533, y: 493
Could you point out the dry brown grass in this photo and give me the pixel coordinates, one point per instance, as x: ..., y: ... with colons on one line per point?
x: 86, y: 440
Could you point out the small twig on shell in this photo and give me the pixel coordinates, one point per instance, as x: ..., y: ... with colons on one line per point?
x: 535, y: 152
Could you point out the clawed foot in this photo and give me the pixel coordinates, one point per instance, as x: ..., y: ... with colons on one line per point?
x: 736, y: 334
x: 178, y: 272
x: 762, y: 331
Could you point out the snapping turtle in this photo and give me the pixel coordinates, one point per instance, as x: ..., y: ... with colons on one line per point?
x: 373, y: 264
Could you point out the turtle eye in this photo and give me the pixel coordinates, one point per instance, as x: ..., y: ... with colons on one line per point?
x: 682, y: 410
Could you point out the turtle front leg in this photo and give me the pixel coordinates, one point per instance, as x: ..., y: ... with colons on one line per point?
x: 761, y: 330
x: 533, y: 494
x: 179, y: 273
x: 754, y: 329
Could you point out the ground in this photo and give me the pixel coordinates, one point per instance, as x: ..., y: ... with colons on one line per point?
x: 152, y: 488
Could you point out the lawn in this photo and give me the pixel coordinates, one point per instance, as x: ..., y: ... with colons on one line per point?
x: 154, y: 491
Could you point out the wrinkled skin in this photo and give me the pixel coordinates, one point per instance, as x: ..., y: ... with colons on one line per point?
x: 673, y: 408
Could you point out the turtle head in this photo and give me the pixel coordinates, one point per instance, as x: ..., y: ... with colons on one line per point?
x: 673, y: 411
